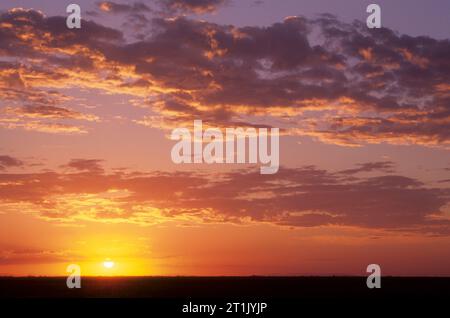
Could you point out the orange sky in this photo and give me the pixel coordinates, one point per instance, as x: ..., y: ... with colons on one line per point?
x: 85, y: 167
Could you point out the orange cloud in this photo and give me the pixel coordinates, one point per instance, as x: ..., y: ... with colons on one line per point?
x: 292, y: 197
x: 230, y: 75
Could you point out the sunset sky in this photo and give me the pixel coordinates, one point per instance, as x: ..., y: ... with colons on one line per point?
x: 86, y: 115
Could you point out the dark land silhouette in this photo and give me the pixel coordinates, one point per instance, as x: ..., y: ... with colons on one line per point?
x: 284, y: 295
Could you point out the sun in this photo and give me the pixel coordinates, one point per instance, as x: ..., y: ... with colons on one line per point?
x: 108, y: 263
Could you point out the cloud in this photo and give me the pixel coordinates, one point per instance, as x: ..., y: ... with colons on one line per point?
x: 17, y: 255
x: 8, y: 161
x: 28, y: 104
x: 162, y: 7
x: 297, y: 197
x: 116, y: 8
x: 49, y: 112
x: 384, y: 166
x: 270, y: 71
x: 88, y: 165
x: 43, y: 127
x: 337, y: 82
x: 193, y: 6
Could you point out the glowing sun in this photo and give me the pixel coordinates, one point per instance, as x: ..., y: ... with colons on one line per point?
x: 108, y: 264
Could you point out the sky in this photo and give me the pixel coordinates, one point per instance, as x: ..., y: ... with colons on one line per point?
x: 86, y: 115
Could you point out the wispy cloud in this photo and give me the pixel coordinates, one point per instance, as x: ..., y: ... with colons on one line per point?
x: 299, y: 197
